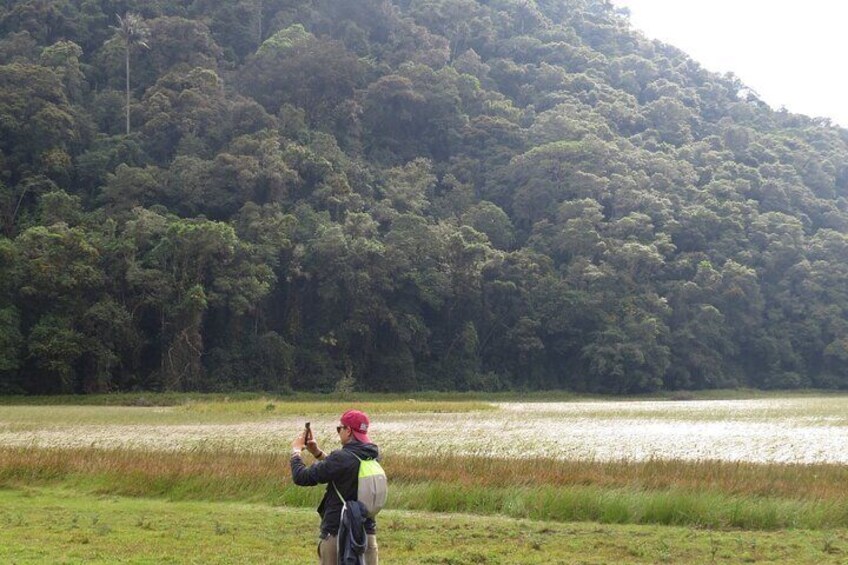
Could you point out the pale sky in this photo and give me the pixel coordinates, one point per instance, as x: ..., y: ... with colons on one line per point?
x: 790, y: 52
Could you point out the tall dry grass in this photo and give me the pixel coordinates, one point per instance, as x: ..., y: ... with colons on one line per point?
x: 809, y: 482
x: 805, y: 482
x: 707, y: 494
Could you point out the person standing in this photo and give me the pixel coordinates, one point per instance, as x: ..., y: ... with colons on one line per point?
x: 339, y: 471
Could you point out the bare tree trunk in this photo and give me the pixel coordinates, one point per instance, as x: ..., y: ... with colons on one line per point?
x: 17, y: 208
x: 128, y: 87
x: 259, y: 9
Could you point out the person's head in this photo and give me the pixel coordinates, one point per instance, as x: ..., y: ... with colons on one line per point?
x: 353, y: 425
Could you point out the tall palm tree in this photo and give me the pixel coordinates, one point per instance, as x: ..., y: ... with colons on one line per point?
x: 132, y: 31
x: 259, y: 11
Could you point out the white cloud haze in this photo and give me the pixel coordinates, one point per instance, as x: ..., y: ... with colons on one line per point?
x: 790, y: 53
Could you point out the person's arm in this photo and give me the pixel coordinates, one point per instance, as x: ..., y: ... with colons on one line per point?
x: 300, y: 473
x: 312, y: 447
x: 319, y: 472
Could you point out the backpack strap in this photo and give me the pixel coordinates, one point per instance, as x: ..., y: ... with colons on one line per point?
x: 339, y: 493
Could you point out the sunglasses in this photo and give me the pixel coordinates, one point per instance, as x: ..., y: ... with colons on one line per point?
x: 340, y: 428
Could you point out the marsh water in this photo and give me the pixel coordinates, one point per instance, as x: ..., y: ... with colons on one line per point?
x: 809, y: 429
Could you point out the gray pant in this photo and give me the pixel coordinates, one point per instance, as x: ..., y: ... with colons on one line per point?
x: 328, y: 552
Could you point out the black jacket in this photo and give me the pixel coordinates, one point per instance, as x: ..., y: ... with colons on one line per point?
x: 342, y: 468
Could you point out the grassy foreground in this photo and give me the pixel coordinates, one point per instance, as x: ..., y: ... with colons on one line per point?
x: 56, y: 525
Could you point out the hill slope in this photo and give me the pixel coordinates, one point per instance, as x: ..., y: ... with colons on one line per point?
x: 418, y: 194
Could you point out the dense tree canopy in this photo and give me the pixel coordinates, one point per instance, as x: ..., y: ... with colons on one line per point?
x: 403, y: 195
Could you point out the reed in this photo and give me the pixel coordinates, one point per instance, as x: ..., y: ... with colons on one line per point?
x: 810, y: 482
x: 705, y: 494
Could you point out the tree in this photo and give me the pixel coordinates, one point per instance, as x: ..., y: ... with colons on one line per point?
x: 548, y: 174
x: 54, y: 348
x: 416, y: 112
x: 407, y: 188
x: 295, y: 67
x: 64, y: 57
x: 132, y: 32
x: 181, y: 273
x: 404, y: 194
x: 37, y: 123
x: 491, y: 220
x: 629, y: 355
x: 11, y: 341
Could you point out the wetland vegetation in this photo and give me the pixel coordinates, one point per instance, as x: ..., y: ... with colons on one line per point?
x: 719, y: 503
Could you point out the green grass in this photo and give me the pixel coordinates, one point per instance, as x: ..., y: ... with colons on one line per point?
x: 140, y: 399
x: 706, y: 496
x: 270, y: 406
x: 147, y: 399
x: 56, y: 525
x: 488, y: 510
x: 625, y: 506
x: 828, y: 410
x: 24, y: 417
x: 824, y: 410
x: 143, y: 399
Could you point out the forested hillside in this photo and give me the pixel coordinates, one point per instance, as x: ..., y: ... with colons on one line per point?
x: 403, y: 195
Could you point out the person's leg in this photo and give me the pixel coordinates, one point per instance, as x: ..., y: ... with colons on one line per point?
x: 371, y: 550
x: 328, y: 553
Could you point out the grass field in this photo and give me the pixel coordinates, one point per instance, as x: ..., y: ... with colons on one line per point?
x: 54, y: 525
x: 117, y: 482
